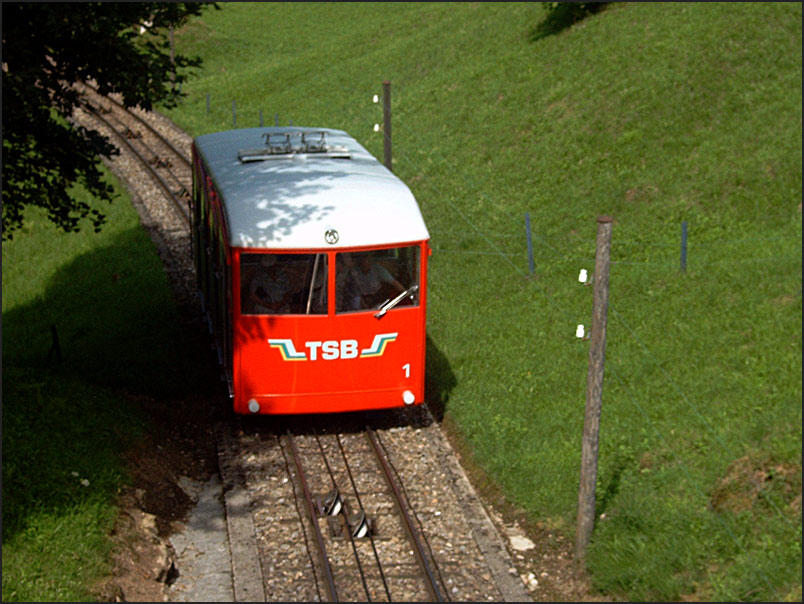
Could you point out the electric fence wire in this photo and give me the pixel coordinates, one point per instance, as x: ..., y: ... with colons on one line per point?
x: 646, y: 352
x: 701, y: 262
x: 498, y: 252
x: 670, y: 263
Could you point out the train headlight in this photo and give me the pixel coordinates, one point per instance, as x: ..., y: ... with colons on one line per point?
x: 253, y: 406
x: 408, y: 397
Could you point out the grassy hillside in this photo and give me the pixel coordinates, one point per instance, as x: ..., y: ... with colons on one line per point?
x: 655, y: 114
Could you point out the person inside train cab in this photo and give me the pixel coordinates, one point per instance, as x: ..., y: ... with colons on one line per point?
x: 364, y: 282
x: 269, y: 287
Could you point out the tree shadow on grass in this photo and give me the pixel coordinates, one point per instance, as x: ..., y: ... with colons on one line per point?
x: 116, y: 320
x: 564, y: 16
x: 121, y: 342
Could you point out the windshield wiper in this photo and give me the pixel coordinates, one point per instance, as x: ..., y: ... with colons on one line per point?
x: 391, y: 303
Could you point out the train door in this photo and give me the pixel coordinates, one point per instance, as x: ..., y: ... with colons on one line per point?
x: 228, y: 352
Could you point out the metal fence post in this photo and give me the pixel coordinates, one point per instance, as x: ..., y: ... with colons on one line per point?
x: 530, y: 242
x: 684, y: 245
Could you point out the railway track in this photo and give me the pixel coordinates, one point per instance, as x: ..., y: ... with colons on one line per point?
x: 167, y: 164
x: 360, y: 507
x: 356, y: 522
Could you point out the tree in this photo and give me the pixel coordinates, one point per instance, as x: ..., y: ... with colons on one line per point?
x: 47, y: 47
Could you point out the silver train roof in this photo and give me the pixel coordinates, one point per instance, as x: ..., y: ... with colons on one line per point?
x: 294, y: 187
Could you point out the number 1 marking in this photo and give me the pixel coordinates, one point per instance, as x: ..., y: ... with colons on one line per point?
x: 406, y: 369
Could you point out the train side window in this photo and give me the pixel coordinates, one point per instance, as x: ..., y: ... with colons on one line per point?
x: 283, y: 284
x: 366, y: 280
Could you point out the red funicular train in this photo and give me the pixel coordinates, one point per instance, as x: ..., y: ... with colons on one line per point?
x: 311, y: 259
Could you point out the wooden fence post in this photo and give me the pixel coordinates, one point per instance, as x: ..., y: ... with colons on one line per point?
x: 386, y: 122
x: 594, y: 391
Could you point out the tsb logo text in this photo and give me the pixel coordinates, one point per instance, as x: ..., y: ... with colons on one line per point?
x: 328, y: 350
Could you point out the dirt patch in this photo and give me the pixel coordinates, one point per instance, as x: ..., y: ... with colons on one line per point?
x: 180, y: 443
x: 749, y: 481
x: 641, y: 194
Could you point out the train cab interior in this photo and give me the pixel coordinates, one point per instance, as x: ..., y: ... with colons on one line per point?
x: 283, y: 284
x: 295, y: 283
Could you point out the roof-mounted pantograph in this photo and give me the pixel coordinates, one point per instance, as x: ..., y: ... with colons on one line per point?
x: 286, y: 145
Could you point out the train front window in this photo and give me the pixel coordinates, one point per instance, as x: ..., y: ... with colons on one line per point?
x: 377, y: 279
x: 283, y: 284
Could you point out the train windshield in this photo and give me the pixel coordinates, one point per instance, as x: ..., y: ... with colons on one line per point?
x: 283, y: 284
x: 377, y: 279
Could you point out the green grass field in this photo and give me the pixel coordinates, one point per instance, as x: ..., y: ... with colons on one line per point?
x: 67, y: 420
x: 652, y: 113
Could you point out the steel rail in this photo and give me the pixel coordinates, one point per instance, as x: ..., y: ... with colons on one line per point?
x: 322, y: 548
x: 431, y: 584
x: 362, y: 509
x: 345, y: 518
x: 137, y: 135
x: 161, y: 181
x: 155, y: 160
x: 178, y: 153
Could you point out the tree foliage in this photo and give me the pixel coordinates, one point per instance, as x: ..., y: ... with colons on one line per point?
x: 47, y: 47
